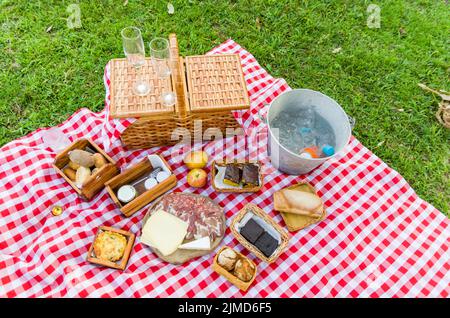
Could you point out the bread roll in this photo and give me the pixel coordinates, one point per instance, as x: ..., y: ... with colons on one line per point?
x: 298, y: 202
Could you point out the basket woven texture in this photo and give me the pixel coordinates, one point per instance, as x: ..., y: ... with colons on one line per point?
x: 124, y: 102
x: 208, y: 88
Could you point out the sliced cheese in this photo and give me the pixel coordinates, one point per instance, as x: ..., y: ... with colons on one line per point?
x: 164, y: 232
x: 203, y: 244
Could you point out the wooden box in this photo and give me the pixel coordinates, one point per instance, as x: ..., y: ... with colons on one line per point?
x: 208, y: 88
x: 284, y: 237
x: 214, y: 172
x: 134, y: 173
x: 228, y: 275
x: 122, y: 263
x: 96, y: 182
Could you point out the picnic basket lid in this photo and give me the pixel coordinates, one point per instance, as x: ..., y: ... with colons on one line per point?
x: 202, y: 83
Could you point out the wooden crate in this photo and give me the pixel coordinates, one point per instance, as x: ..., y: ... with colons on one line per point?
x: 122, y: 263
x: 208, y: 89
x: 95, y: 183
x: 228, y: 275
x: 133, y: 173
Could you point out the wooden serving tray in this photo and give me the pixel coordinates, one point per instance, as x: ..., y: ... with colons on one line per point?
x: 122, y: 264
x: 259, y: 212
x: 134, y: 173
x: 237, y: 190
x: 95, y: 183
x: 182, y: 256
x: 229, y: 276
x: 295, y: 222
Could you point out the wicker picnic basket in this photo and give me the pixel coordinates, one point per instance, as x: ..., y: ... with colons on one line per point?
x: 207, y: 88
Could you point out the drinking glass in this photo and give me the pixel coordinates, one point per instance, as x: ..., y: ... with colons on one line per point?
x: 133, y: 47
x: 160, y: 55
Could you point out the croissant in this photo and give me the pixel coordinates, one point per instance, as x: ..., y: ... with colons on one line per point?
x: 298, y: 202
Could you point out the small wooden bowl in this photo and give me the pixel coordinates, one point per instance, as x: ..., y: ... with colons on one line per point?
x: 228, y: 275
x: 237, y: 190
x: 96, y: 182
x: 122, y: 263
x: 259, y: 212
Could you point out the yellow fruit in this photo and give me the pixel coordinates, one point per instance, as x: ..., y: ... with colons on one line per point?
x: 197, y: 178
x: 196, y: 159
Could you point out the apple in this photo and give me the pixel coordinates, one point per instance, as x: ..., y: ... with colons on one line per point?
x: 196, y: 159
x: 197, y: 178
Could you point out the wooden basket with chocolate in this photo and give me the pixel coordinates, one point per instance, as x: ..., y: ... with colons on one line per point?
x: 255, y: 230
x: 237, y: 176
x: 181, y: 226
x: 86, y: 167
x: 235, y: 267
x: 142, y: 183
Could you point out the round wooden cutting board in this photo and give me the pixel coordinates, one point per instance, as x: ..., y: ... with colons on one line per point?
x: 182, y: 256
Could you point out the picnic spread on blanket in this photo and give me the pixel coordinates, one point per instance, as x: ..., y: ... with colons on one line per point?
x: 278, y: 199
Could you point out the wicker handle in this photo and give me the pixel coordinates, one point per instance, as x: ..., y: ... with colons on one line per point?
x: 178, y: 77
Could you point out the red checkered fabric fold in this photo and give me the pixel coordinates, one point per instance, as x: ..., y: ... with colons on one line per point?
x: 379, y: 239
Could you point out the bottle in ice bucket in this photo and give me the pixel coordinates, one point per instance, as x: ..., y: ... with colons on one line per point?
x: 308, y: 149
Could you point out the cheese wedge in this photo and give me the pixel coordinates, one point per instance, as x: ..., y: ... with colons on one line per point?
x: 203, y: 244
x: 164, y: 231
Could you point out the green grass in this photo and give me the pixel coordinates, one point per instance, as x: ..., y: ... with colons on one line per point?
x: 46, y: 76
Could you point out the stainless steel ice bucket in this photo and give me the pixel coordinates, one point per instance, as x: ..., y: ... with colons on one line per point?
x: 284, y: 159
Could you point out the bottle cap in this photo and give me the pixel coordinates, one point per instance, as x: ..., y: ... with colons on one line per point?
x: 328, y: 150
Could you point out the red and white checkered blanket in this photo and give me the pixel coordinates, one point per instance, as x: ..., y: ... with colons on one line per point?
x: 379, y: 239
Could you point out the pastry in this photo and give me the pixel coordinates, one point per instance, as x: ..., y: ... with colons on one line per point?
x: 266, y: 244
x: 109, y: 246
x: 99, y: 160
x: 244, y: 270
x: 298, y: 202
x: 250, y: 175
x: 232, y: 175
x: 251, y: 231
x: 70, y: 173
x: 227, y: 259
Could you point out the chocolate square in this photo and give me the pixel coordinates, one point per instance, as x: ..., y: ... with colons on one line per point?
x: 250, y: 175
x: 232, y: 175
x: 266, y: 244
x: 251, y: 231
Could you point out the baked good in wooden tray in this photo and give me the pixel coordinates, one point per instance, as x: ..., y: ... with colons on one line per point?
x: 235, y: 267
x: 111, y: 247
x: 237, y: 176
x: 299, y: 205
x: 86, y: 167
x: 140, y: 184
x: 181, y: 226
x: 259, y: 233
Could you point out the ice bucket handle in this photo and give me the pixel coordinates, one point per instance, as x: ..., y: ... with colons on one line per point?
x: 262, y: 113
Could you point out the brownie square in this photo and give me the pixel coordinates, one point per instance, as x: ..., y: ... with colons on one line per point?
x: 251, y: 231
x: 266, y: 244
